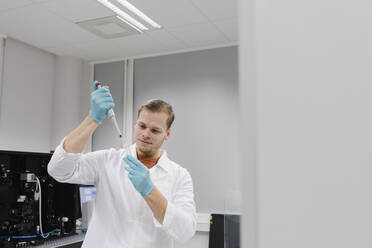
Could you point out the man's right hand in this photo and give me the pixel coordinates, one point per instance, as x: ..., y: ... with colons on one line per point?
x: 100, y: 103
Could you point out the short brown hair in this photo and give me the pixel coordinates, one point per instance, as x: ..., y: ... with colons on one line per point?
x: 157, y: 106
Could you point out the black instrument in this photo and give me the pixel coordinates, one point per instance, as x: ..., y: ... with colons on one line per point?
x: 22, y: 174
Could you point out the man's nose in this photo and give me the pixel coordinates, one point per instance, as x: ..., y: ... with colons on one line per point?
x: 146, y: 133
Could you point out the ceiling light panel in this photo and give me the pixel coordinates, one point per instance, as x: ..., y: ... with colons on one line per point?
x: 117, y: 7
x: 109, y: 27
x: 139, y: 13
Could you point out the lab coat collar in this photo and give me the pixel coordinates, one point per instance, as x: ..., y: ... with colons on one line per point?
x: 163, y: 162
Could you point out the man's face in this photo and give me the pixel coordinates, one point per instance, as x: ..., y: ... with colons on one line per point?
x: 150, y: 132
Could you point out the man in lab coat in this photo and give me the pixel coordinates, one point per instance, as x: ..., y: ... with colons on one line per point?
x: 143, y: 198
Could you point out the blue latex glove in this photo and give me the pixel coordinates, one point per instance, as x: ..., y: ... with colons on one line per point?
x: 100, y: 103
x: 139, y: 175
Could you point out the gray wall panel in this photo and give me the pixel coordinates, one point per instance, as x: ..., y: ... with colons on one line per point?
x: 203, y: 89
x: 112, y: 75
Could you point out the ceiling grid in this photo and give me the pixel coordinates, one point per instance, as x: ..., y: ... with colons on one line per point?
x: 185, y: 25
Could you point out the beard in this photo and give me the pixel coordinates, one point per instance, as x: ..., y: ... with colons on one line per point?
x: 148, y: 151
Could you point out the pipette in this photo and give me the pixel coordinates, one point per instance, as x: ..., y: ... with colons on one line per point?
x: 111, y: 115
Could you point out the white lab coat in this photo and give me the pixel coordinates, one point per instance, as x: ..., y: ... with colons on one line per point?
x: 121, y: 217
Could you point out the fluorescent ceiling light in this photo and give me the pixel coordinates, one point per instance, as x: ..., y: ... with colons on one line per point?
x: 122, y: 14
x: 139, y: 13
x: 130, y: 24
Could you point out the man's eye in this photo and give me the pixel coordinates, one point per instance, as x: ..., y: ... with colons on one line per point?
x: 142, y: 126
x: 155, y: 131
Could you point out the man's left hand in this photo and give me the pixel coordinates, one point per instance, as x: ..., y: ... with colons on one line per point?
x: 139, y: 175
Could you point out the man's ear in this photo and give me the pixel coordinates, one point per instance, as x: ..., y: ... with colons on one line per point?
x: 168, y: 134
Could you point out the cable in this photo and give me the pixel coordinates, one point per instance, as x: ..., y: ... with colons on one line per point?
x: 35, y: 236
x: 40, y: 219
x: 38, y: 191
x: 24, y: 237
x: 28, y: 237
x: 42, y: 234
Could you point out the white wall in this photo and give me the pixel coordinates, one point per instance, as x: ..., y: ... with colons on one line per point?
x: 2, y: 48
x: 42, y: 98
x: 85, y: 90
x: 248, y: 125
x: 26, y: 109
x: 66, y: 97
x: 310, y: 90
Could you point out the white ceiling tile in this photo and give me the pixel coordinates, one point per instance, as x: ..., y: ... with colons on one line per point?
x: 36, y: 26
x: 10, y: 4
x: 121, y: 47
x: 49, y: 24
x: 165, y: 38
x: 216, y: 10
x: 203, y: 34
x: 170, y: 13
x: 70, y: 50
x: 80, y: 10
x: 229, y: 28
x: 40, y: 1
